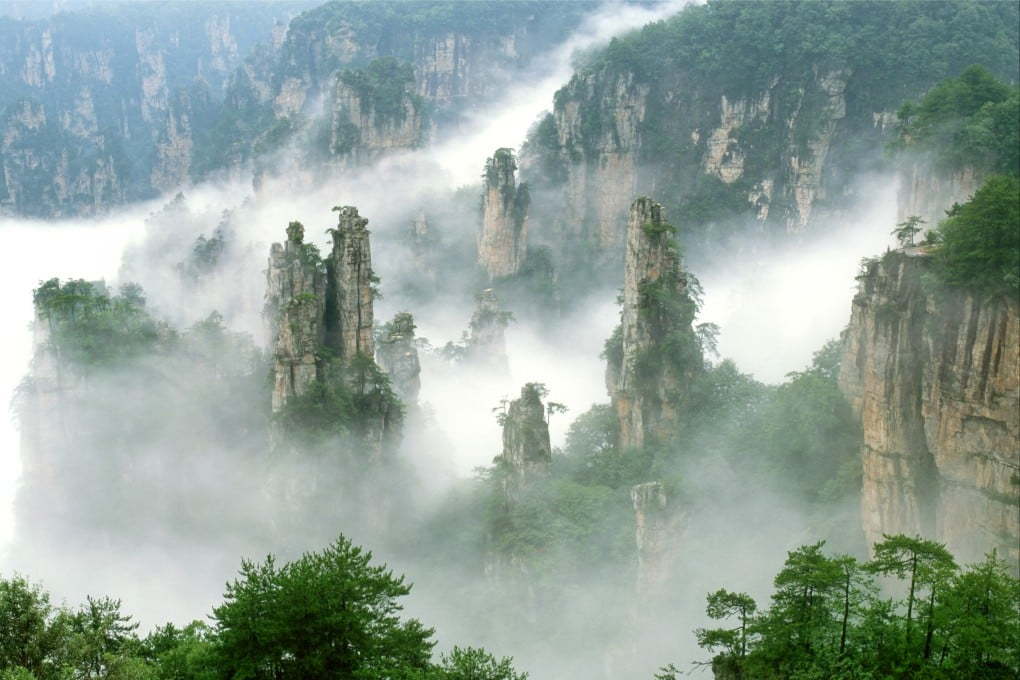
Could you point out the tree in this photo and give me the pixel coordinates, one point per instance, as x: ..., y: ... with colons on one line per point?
x: 472, y: 663
x: 905, y: 231
x: 926, y: 564
x: 326, y: 615
x: 722, y: 604
x: 27, y: 637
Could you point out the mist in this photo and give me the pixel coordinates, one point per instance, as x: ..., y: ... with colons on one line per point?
x: 774, y: 311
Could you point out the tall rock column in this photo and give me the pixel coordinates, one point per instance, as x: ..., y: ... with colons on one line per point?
x: 295, y: 302
x: 656, y: 352
x: 527, y: 452
x: 350, y: 269
x: 501, y: 243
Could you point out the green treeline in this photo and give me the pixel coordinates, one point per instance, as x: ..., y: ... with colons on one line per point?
x: 327, y: 614
x: 909, y: 612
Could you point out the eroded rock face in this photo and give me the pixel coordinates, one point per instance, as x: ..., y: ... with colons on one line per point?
x: 645, y: 377
x: 936, y: 381
x: 295, y: 303
x: 527, y: 452
x: 502, y: 242
x: 602, y: 166
x: 398, y: 356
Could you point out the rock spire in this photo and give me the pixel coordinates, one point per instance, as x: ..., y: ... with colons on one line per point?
x: 502, y: 241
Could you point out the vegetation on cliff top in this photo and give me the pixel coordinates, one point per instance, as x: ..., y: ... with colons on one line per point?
x: 978, y: 244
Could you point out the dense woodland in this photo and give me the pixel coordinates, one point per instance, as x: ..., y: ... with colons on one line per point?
x: 519, y: 562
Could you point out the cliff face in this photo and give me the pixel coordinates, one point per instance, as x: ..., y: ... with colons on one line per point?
x: 936, y: 381
x: 928, y: 192
x: 502, y: 242
x: 612, y: 135
x: 102, y: 106
x: 656, y: 353
x: 602, y: 159
x: 486, y: 345
x: 361, y: 130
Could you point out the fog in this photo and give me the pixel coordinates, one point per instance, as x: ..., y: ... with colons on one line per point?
x: 774, y: 311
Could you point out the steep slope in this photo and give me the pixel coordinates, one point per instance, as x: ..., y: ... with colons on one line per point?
x: 735, y: 113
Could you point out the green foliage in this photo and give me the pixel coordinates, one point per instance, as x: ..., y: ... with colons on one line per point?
x: 828, y: 619
x: 472, y: 663
x: 968, y: 122
x: 29, y: 635
x: 89, y: 329
x: 327, y: 614
x: 979, y: 241
x: 807, y: 425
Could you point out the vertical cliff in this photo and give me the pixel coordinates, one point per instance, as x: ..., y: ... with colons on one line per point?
x: 351, y: 286
x: 655, y: 353
x: 935, y: 378
x: 736, y: 133
x: 502, y: 241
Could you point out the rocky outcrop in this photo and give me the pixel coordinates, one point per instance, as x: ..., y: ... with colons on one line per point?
x: 295, y: 304
x: 935, y: 379
x: 397, y: 354
x: 659, y: 529
x: 486, y: 344
x: 601, y: 157
x: 502, y: 242
x: 611, y: 134
x: 527, y: 452
x: 366, y: 124
x: 652, y: 359
x: 319, y: 313
x: 351, y: 285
